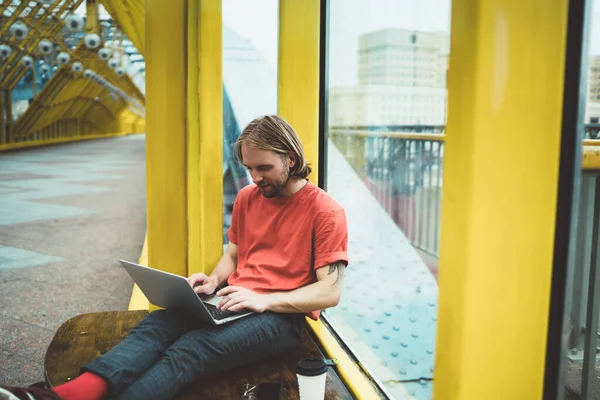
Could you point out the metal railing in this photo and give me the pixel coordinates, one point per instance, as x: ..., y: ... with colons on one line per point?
x: 592, y: 131
x: 585, y: 304
x: 404, y: 172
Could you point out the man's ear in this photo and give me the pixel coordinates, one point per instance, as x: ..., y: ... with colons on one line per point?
x: 293, y: 159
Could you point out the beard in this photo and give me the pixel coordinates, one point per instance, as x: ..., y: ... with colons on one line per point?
x: 272, y: 189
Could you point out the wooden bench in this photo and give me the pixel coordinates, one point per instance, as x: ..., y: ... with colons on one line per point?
x: 85, y: 337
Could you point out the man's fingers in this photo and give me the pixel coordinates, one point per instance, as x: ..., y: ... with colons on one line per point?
x: 202, y: 289
x: 227, y: 303
x: 240, y: 306
x: 196, y: 278
x: 232, y: 300
x: 228, y: 289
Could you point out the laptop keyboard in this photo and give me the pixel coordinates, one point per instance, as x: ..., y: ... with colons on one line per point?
x: 218, y: 314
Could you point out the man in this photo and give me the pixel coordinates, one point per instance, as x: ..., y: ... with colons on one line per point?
x: 286, y: 258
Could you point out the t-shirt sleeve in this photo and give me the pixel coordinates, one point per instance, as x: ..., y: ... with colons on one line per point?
x: 232, y: 232
x: 330, y: 238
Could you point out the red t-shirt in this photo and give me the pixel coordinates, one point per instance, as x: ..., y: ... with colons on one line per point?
x: 283, y: 240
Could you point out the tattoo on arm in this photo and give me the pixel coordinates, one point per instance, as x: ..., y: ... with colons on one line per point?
x: 337, y: 267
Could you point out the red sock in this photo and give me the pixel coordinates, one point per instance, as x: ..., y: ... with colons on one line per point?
x: 86, y: 386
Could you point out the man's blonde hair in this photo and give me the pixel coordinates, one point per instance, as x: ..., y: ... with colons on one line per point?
x: 273, y: 133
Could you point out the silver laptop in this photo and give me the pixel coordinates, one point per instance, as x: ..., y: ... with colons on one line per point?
x: 172, y: 291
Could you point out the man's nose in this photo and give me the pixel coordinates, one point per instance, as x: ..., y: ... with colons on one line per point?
x: 256, y: 177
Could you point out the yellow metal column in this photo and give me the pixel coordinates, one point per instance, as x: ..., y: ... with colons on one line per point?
x: 166, y: 165
x: 205, y: 136
x: 298, y: 75
x: 501, y: 168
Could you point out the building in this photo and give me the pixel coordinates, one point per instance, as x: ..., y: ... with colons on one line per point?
x: 402, y: 57
x: 592, y: 114
x: 402, y: 81
x: 386, y: 105
x: 594, y: 79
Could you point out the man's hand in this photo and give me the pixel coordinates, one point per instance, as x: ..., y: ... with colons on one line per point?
x: 202, y: 284
x: 237, y: 298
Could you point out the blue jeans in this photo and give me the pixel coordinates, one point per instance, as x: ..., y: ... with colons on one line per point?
x: 167, y: 351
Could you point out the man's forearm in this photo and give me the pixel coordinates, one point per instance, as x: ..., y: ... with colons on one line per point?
x: 224, y: 268
x: 316, y: 296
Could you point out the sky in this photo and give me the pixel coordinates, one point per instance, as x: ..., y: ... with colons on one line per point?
x: 256, y: 20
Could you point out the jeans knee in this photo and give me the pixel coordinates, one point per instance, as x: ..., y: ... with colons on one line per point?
x: 163, y: 317
x: 185, y: 363
x: 163, y: 325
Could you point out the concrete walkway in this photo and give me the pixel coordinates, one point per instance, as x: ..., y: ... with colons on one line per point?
x: 67, y: 213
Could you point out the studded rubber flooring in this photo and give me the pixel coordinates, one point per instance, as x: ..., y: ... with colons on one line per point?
x: 387, y: 314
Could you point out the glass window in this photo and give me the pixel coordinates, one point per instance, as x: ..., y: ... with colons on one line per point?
x: 389, y: 184
x: 250, y: 40
x: 582, y: 364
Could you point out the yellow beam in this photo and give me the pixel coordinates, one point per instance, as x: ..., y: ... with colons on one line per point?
x: 499, y: 198
x: 298, y: 78
x: 437, y: 137
x: 43, y: 28
x: 91, y: 24
x: 166, y: 197
x: 4, y: 6
x: 130, y: 15
x: 29, y: 44
x: 591, y: 158
x: 45, y: 142
x: 18, y: 46
x: 349, y: 372
x: 13, y: 17
x: 107, y: 113
x: 35, y: 110
x: 55, y: 100
x: 205, y: 136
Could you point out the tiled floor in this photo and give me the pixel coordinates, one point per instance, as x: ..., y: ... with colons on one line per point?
x: 67, y: 213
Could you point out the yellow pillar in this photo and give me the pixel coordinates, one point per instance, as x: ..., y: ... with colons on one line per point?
x: 166, y: 136
x: 205, y: 136
x: 501, y: 171
x: 298, y: 76
x: 183, y: 140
